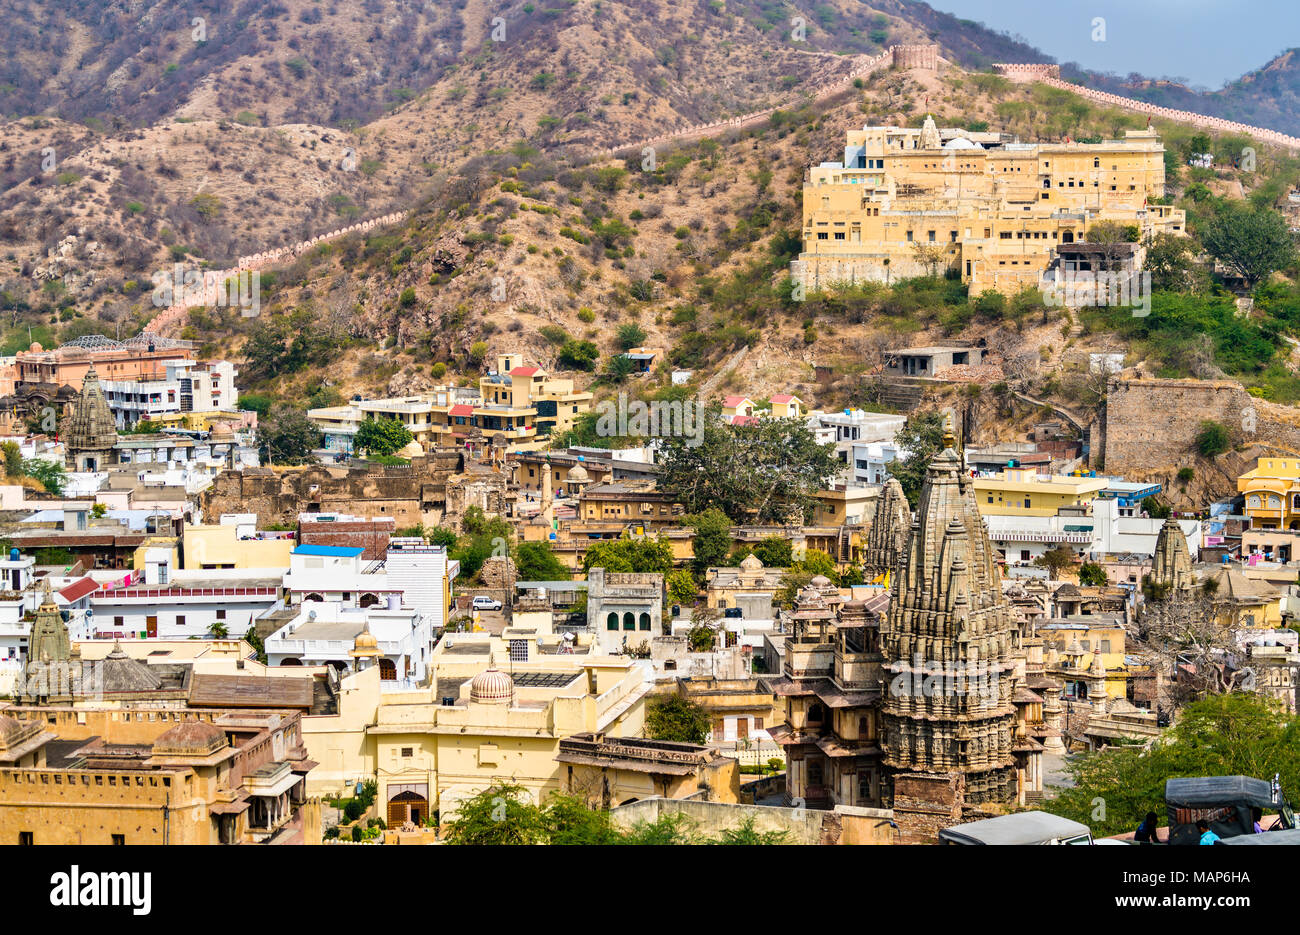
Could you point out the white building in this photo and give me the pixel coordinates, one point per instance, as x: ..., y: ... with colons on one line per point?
x: 187, y: 386
x: 869, y: 461
x: 325, y: 633
x: 848, y: 426
x: 1092, y: 534
x: 21, y: 593
x: 413, y: 574
x: 182, y: 605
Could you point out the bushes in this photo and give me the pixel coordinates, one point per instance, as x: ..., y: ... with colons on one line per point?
x: 1213, y: 439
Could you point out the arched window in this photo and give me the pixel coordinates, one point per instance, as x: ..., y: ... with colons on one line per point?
x: 645, y: 621
x: 291, y: 662
x: 629, y: 621
x: 864, y: 729
x: 611, y: 622
x: 387, y: 670
x: 368, y: 600
x: 313, y: 596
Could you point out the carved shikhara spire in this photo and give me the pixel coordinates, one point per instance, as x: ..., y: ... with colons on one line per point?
x: 949, y: 641
x: 1171, y: 565
x: 890, y: 525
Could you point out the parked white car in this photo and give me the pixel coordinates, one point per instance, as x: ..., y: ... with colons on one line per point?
x: 483, y: 602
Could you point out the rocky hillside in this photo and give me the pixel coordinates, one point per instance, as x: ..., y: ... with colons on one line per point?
x: 142, y: 134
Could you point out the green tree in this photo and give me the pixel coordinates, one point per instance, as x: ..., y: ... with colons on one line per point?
x: 501, y: 814
x: 681, y: 587
x: 1092, y: 575
x: 255, y: 641
x: 1251, y: 241
x: 763, y: 473
x: 712, y: 539
x: 922, y: 438
x: 641, y: 554
x: 1223, y: 735
x: 1171, y: 262
x: 675, y: 718
x: 1155, y: 509
x: 774, y: 552
x: 382, y: 436
x: 534, y: 561
x: 630, y: 335
x: 1212, y: 439
x: 578, y: 355
x: 287, y: 436
x: 51, y: 474
x: 1056, y: 560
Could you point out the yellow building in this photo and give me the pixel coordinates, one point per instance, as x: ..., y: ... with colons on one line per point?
x: 209, y: 547
x: 611, y: 771
x: 1085, y: 654
x: 628, y: 501
x: 154, y: 777
x: 1272, y: 492
x: 476, y: 724
x: 522, y: 405
x: 914, y: 202
x: 1243, y: 602
x: 845, y: 505
x: 1025, y: 492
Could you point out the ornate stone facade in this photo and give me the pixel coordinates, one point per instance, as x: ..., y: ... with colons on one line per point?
x: 949, y: 640
x: 91, y: 430
x: 887, y: 539
x: 1171, y: 565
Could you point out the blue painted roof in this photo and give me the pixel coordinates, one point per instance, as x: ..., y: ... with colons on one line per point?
x: 334, y: 551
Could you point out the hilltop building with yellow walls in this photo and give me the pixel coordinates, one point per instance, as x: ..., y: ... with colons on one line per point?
x: 910, y: 202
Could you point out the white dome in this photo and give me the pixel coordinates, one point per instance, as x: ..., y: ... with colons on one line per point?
x: 961, y: 142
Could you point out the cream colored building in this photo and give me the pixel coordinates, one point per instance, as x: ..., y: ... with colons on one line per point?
x: 912, y: 202
x: 496, y: 711
x: 219, y: 547
x: 1025, y: 492
x: 523, y: 405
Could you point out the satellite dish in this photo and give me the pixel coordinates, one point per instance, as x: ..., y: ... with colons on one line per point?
x: 311, y: 615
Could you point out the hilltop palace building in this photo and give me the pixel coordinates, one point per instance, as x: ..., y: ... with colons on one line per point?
x: 913, y: 202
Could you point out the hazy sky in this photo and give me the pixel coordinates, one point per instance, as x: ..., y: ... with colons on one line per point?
x: 1207, y: 42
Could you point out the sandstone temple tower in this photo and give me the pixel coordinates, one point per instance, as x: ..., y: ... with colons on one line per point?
x: 1171, y: 565
x: 949, y: 643
x: 887, y: 538
x: 91, y: 430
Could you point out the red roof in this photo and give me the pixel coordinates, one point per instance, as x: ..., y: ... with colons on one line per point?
x: 732, y: 401
x: 744, y: 420
x: 524, y: 372
x: 78, y: 589
x: 783, y: 399
x: 460, y: 409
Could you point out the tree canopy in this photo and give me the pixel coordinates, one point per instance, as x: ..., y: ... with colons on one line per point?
x: 1223, y: 735
x: 762, y: 473
x: 287, y: 436
x: 922, y: 438
x: 382, y: 436
x: 1251, y: 241
x: 675, y: 718
x: 627, y: 554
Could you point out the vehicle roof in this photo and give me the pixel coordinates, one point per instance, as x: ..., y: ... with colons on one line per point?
x: 1020, y: 828
x: 1290, y: 836
x: 1220, y: 790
